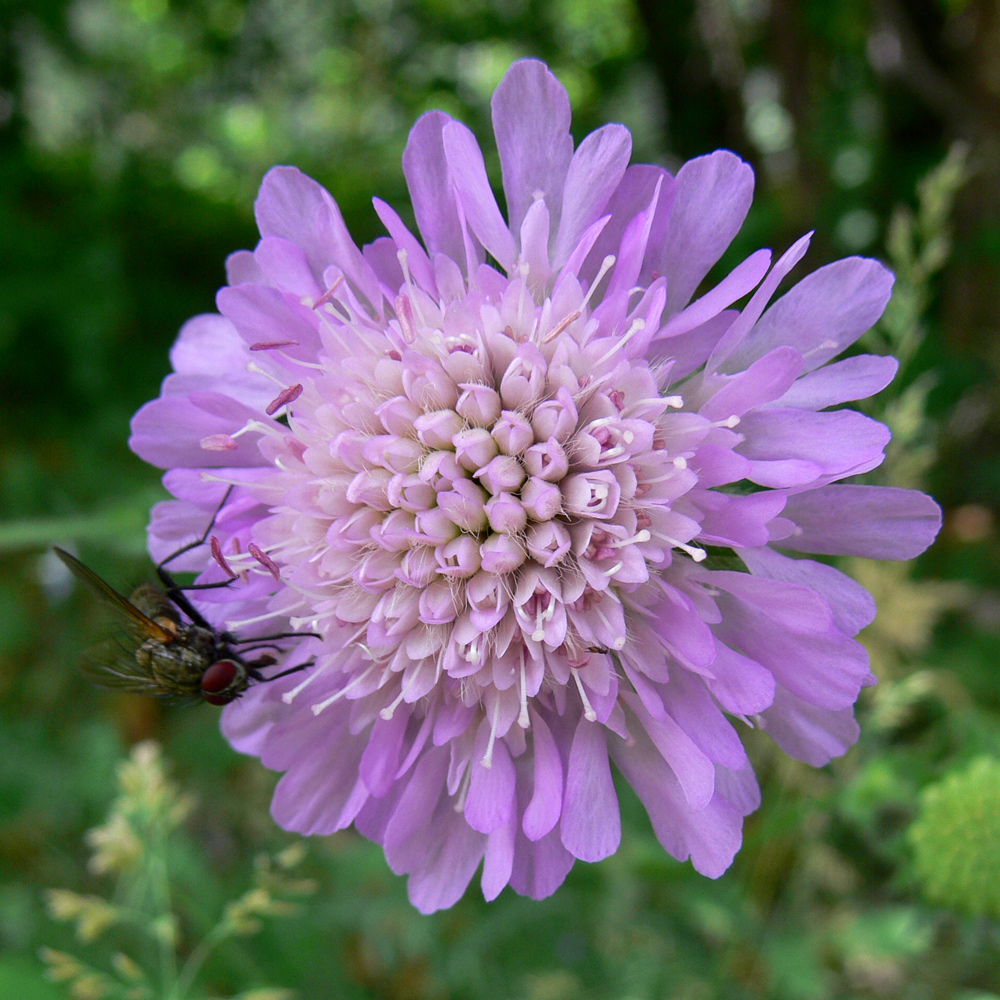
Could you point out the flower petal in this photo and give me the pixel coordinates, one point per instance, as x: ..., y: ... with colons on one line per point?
x: 531, y: 117
x: 880, y: 522
x: 591, y: 825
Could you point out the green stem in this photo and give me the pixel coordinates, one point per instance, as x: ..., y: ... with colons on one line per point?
x: 197, y: 959
x: 160, y: 881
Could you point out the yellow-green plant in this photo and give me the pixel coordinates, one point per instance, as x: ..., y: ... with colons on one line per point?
x: 131, y: 847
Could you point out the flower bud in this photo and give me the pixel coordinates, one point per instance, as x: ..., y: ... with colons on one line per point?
x: 464, y: 504
x: 458, y: 558
x: 488, y: 598
x: 513, y: 433
x: 435, y: 526
x: 410, y: 492
x: 368, y: 487
x: 438, y: 604
x: 547, y: 460
x: 501, y: 554
x: 436, y: 429
x: 524, y: 380
x: 440, y: 469
x: 395, y: 532
x: 474, y: 448
x: 479, y: 404
x: 555, y: 418
x: 506, y: 513
x: 400, y: 454
x: 541, y: 500
x: 504, y: 474
x: 426, y: 382
x: 418, y: 567
x: 397, y: 415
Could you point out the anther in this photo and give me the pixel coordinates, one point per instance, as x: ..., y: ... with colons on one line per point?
x: 404, y: 313
x: 288, y: 395
x: 264, y: 559
x: 329, y: 293
x: 218, y: 442
x: 270, y: 345
x: 220, y: 558
x: 561, y: 325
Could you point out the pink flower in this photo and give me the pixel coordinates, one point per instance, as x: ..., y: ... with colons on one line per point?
x: 498, y: 472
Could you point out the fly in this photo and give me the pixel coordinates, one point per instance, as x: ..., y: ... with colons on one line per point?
x: 166, y: 655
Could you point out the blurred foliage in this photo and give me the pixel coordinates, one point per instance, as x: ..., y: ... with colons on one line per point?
x: 133, y: 134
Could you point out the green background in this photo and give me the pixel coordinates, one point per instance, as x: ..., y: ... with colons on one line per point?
x: 133, y: 135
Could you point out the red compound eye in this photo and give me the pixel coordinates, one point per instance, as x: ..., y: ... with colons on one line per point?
x: 217, y: 681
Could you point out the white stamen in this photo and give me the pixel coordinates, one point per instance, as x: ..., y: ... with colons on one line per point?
x: 473, y: 655
x: 522, y: 719
x: 252, y: 366
x: 389, y: 711
x: 637, y: 325
x: 606, y: 265
x: 242, y: 623
x: 697, y: 554
x: 463, y: 791
x: 260, y: 428
x: 487, y: 760
x: 598, y: 423
x: 588, y: 710
x: 637, y: 539
x: 680, y: 462
x: 303, y: 364
x: 619, y: 642
x: 614, y: 569
x: 655, y: 402
x: 729, y: 422
x: 289, y: 696
x: 317, y: 708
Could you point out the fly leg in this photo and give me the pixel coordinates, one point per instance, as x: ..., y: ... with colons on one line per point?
x: 175, y: 591
x: 253, y: 669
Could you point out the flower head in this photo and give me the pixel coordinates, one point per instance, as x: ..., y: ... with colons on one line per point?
x: 503, y: 473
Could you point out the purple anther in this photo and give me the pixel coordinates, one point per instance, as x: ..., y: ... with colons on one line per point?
x: 270, y: 345
x: 264, y: 559
x: 285, y: 396
x: 217, y: 555
x: 329, y: 293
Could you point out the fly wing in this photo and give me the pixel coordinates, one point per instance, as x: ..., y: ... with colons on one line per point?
x: 128, y: 614
x: 113, y: 665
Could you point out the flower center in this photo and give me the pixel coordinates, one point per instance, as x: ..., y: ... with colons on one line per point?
x: 491, y: 489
